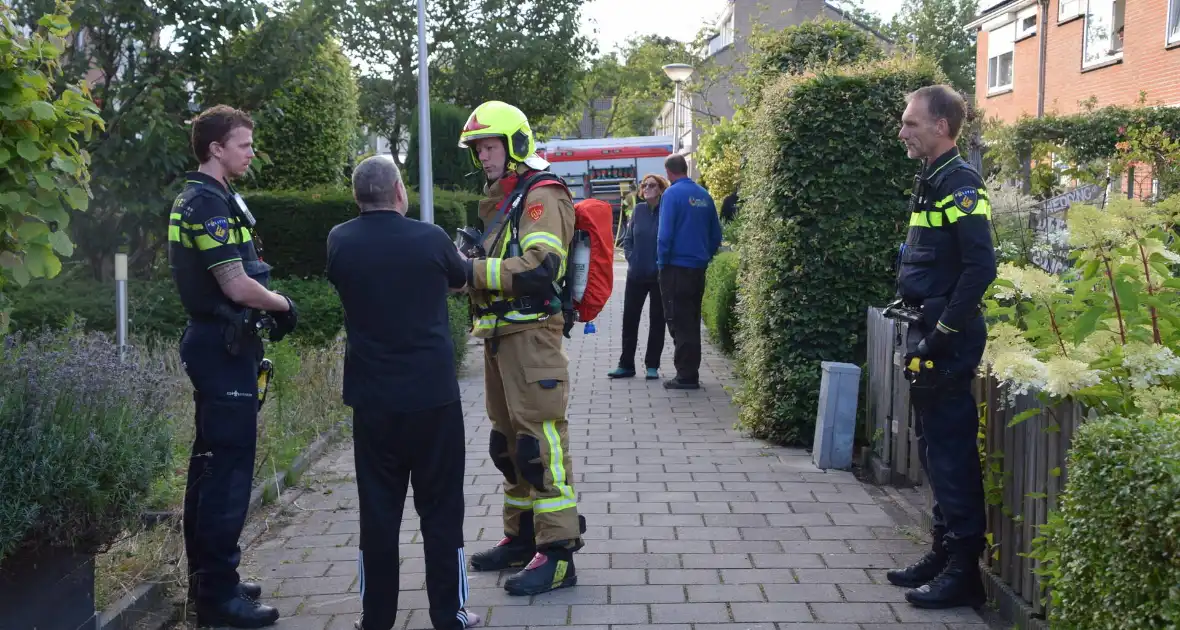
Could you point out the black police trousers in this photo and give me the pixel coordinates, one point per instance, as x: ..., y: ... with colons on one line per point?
x: 221, y: 470
x: 426, y: 449
x: 683, y: 290
x: 947, y: 425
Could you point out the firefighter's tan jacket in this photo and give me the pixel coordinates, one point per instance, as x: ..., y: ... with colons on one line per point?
x: 546, y: 231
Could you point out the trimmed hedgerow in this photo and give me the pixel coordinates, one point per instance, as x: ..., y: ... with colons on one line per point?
x: 1111, y: 555
x: 828, y: 183
x: 717, y: 308
x: 294, y: 225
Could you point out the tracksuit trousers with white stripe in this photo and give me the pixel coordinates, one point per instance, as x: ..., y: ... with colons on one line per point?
x: 392, y: 450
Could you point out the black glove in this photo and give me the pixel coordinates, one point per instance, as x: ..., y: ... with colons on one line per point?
x: 285, y: 321
x: 934, y: 344
x: 568, y: 316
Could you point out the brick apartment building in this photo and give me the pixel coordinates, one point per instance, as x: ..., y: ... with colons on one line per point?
x: 1106, y: 50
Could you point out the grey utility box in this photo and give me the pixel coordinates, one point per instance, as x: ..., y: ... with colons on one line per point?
x: 835, y: 423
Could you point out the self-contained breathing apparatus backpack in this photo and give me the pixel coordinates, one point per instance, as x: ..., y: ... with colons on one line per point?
x: 586, y: 286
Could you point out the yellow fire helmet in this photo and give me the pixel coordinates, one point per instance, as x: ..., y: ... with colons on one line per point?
x: 499, y: 119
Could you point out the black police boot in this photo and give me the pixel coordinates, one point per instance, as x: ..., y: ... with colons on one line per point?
x: 959, y: 584
x: 552, y: 568
x: 511, y: 551
x: 247, y: 589
x: 926, y: 568
x: 237, y: 612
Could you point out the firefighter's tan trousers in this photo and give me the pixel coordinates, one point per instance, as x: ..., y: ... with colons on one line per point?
x: 527, y: 387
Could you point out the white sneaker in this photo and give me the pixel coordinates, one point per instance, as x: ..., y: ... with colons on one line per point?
x: 469, y: 619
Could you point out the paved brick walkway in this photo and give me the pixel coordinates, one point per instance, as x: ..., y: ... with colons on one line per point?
x: 691, y: 525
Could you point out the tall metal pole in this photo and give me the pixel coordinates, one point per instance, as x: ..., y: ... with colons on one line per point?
x: 676, y: 121
x: 425, y: 177
x: 121, y: 302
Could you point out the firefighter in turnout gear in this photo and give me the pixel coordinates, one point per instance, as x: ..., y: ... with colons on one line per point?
x: 515, y: 286
x: 945, y: 266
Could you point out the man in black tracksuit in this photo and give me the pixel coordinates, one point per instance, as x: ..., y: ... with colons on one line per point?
x: 946, y: 264
x: 393, y: 275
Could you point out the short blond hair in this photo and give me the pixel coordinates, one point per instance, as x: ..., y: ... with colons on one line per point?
x: 660, y: 180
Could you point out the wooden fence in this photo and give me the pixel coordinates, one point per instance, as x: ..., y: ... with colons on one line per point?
x: 1024, y: 464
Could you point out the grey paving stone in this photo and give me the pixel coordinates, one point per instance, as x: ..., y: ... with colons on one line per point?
x: 647, y: 594
x: 853, y: 612
x: 690, y: 613
x: 691, y: 525
x: 610, y: 614
x: 771, y: 612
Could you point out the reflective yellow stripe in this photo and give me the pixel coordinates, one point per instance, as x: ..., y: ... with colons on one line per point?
x: 546, y: 238
x: 176, y: 236
x: 982, y: 208
x: 493, y: 273
x: 933, y: 218
x: 206, y: 242
x: 222, y: 262
x: 543, y: 237
x: 488, y: 322
x: 524, y: 503
x: 556, y: 473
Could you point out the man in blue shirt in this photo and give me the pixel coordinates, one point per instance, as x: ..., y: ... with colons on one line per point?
x: 689, y: 236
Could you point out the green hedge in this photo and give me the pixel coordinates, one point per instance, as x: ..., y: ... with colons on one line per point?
x: 717, y: 308
x: 293, y: 225
x: 1111, y: 555
x: 154, y: 309
x: 828, y: 183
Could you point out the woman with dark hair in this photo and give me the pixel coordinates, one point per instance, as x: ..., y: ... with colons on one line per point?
x: 639, y: 246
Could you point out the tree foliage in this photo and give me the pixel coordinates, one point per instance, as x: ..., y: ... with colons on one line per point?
x: 142, y: 60
x: 43, y: 130
x: 451, y: 167
x: 634, y: 80
x: 526, y: 53
x: 824, y: 212
x: 305, y: 125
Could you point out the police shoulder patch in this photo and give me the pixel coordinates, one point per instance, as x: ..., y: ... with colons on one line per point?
x: 966, y: 198
x: 218, y: 229
x: 535, y: 211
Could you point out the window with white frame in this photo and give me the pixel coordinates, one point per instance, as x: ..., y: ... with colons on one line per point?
x: 1102, y: 40
x: 1174, y: 22
x: 1000, y: 57
x: 1070, y: 8
x: 1026, y: 22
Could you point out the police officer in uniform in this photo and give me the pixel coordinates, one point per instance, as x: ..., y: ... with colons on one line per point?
x: 945, y: 266
x: 223, y: 287
x: 528, y: 217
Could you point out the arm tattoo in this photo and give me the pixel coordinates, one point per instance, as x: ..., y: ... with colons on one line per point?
x: 228, y: 271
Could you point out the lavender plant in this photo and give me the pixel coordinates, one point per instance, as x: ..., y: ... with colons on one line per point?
x: 83, y: 435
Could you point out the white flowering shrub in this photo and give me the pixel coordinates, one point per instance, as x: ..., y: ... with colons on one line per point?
x: 1105, y: 335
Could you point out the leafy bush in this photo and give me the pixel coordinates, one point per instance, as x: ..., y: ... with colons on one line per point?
x: 83, y: 436
x: 717, y: 308
x: 45, y: 171
x: 827, y: 187
x: 308, y: 126
x: 450, y: 166
x: 293, y: 226
x: 803, y: 47
x: 1110, y: 555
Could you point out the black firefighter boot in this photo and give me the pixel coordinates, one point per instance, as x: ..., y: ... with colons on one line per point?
x: 511, y: 551
x: 552, y: 568
x: 926, y: 568
x: 959, y: 584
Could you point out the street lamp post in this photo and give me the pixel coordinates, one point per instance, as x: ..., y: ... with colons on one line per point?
x: 679, y: 73
x: 425, y: 177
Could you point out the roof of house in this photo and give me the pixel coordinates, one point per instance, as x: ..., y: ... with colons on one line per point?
x: 844, y: 14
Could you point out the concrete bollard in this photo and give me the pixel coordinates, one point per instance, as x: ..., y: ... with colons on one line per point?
x: 835, y: 423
